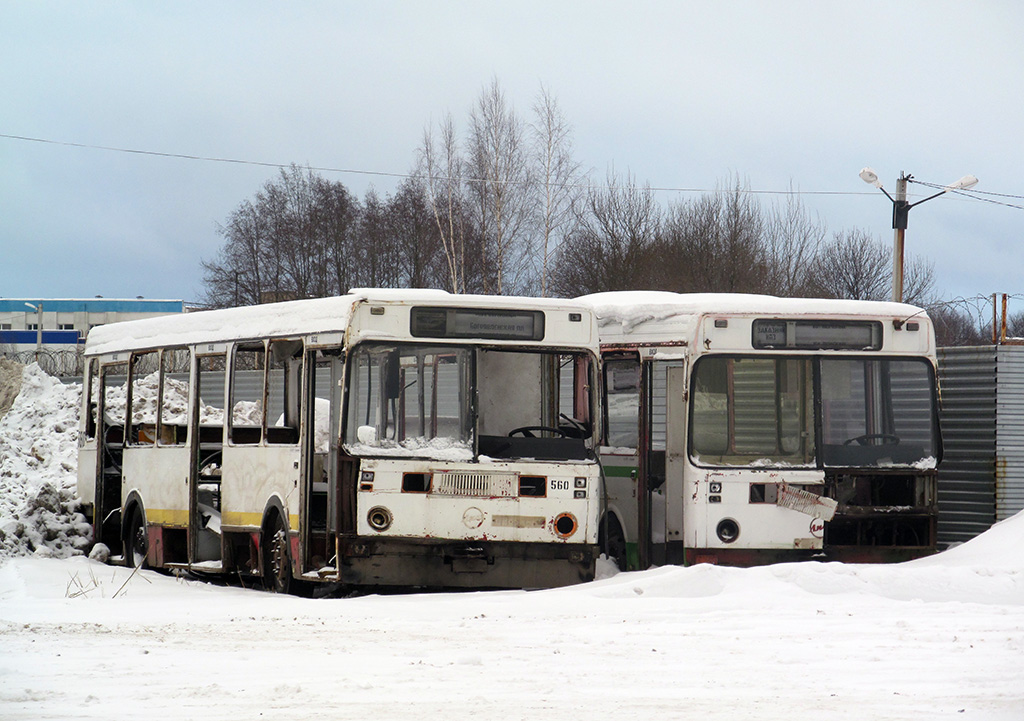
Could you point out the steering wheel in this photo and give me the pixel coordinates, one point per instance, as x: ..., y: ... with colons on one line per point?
x: 527, y: 431
x: 574, y: 424
x: 888, y: 439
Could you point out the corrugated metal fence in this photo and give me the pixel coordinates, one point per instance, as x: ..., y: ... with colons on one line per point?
x: 1009, y: 431
x: 968, y: 421
x: 981, y: 478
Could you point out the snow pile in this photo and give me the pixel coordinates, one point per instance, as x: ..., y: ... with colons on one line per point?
x: 436, y: 449
x: 146, y: 396
x: 10, y: 383
x: 38, y: 470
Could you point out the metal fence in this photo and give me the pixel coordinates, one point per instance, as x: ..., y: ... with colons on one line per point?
x: 61, y: 363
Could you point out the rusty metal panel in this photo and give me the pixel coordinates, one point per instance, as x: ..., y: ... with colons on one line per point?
x: 966, y: 481
x: 1009, y: 476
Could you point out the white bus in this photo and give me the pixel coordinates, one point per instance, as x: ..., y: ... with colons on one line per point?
x: 744, y: 429
x: 383, y: 438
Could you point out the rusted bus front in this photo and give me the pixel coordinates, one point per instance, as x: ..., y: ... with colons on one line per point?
x: 767, y: 429
x: 465, y: 444
x: 523, y: 525
x: 885, y: 514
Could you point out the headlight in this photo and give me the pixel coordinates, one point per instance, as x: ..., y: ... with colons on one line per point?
x: 379, y: 518
x: 565, y: 525
x: 728, y: 530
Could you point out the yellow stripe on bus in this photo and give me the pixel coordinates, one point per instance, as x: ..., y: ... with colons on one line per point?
x: 238, y: 518
x: 166, y: 517
x: 172, y: 517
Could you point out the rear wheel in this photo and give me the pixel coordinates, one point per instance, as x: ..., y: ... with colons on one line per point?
x: 136, y: 540
x: 277, y: 563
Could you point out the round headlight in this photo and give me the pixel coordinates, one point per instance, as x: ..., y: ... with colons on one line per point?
x: 728, y: 530
x: 379, y: 518
x: 565, y: 525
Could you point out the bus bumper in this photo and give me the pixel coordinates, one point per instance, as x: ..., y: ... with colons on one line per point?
x: 440, y: 563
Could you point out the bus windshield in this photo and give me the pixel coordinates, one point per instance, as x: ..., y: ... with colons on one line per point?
x: 457, y: 403
x: 810, y: 411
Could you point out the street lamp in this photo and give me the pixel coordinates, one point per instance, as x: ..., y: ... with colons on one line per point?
x: 39, y: 328
x: 900, y: 212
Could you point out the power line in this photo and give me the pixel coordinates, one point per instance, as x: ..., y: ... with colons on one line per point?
x: 972, y: 194
x: 977, y: 195
x: 979, y: 192
x: 379, y: 173
x: 184, y: 156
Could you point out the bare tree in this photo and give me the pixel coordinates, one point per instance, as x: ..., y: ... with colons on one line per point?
x: 238, y: 275
x: 558, y: 176
x: 852, y: 265
x: 291, y: 217
x: 376, y: 252
x: 440, y: 168
x: 918, y: 281
x: 793, y: 238
x: 500, y: 172
x: 855, y: 265
x: 956, y: 326
x: 341, y: 255
x: 714, y: 243
x: 413, y: 236
x: 610, y: 247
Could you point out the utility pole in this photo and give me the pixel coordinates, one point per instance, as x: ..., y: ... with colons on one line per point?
x: 900, y: 214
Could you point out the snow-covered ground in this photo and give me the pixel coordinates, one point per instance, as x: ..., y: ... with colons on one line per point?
x: 932, y: 639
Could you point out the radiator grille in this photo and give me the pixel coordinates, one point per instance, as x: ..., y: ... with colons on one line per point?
x: 486, y: 485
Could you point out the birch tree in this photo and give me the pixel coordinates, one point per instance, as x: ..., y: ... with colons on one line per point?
x: 500, y: 173
x: 440, y: 168
x: 558, y: 176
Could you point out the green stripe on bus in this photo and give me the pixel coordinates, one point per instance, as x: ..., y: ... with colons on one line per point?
x: 620, y: 471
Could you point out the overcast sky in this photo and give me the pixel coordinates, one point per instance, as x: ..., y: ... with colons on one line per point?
x: 680, y: 94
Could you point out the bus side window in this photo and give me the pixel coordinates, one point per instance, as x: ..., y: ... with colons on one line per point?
x: 284, y: 390
x: 210, y: 389
x: 622, y: 402
x: 145, y: 380
x: 92, y: 390
x: 248, y: 375
x: 175, y: 372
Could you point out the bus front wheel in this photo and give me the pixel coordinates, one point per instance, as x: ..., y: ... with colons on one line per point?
x: 613, y: 540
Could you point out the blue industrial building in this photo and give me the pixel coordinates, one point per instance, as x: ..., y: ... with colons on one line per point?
x: 61, y: 324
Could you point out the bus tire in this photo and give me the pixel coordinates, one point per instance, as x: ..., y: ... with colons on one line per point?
x: 613, y: 540
x: 136, y: 539
x: 276, y: 552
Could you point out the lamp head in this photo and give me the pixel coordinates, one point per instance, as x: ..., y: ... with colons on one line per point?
x: 871, y: 177
x: 968, y: 181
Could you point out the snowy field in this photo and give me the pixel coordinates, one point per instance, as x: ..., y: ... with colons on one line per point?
x: 938, y: 638
x: 931, y: 639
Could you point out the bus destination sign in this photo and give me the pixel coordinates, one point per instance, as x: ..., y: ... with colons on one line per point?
x: 477, y: 323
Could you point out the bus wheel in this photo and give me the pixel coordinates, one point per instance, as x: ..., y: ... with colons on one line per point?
x: 277, y: 565
x: 613, y: 541
x: 136, y: 541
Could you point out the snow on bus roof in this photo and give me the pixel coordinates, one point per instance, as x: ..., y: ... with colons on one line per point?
x: 632, y: 308
x: 287, y: 318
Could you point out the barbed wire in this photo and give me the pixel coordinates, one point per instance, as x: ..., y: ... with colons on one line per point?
x: 63, y: 363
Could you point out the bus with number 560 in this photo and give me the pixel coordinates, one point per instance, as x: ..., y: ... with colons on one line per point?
x: 378, y: 439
